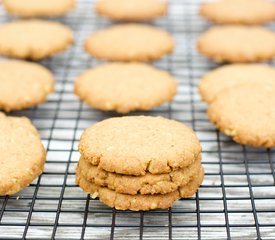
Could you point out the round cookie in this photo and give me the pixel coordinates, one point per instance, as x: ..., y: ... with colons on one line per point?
x: 23, y: 84
x: 131, y: 10
x: 139, y: 144
x: 139, y: 202
x: 133, y: 42
x: 237, y: 44
x: 125, y: 87
x: 239, y: 11
x: 36, y: 8
x: 233, y: 75
x: 22, y: 155
x: 34, y: 39
x: 246, y: 113
x: 147, y: 184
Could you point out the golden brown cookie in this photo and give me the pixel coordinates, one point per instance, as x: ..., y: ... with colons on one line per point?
x: 34, y: 39
x: 246, y: 113
x: 139, y: 202
x: 22, y: 155
x: 237, y: 44
x: 233, y: 75
x: 38, y: 8
x: 147, y: 184
x: 131, y: 10
x: 23, y: 84
x: 139, y: 144
x: 239, y: 11
x: 125, y: 87
x: 130, y: 42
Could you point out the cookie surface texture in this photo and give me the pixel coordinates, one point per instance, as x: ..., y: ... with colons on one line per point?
x: 239, y: 11
x: 237, y: 44
x: 233, y: 75
x: 247, y: 114
x: 131, y: 10
x: 22, y: 155
x: 38, y: 8
x: 34, y: 39
x: 147, y: 184
x: 130, y: 42
x: 139, y: 202
x: 139, y: 144
x: 23, y: 84
x: 125, y: 87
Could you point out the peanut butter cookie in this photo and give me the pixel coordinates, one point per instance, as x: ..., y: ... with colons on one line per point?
x: 38, y: 8
x: 23, y: 84
x: 237, y: 44
x: 34, y: 39
x: 131, y: 10
x: 22, y: 155
x: 239, y: 11
x: 130, y: 42
x: 246, y: 113
x: 139, y: 144
x: 234, y: 75
x: 125, y: 87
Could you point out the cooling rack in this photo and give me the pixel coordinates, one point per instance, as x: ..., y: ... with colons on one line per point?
x: 235, y: 201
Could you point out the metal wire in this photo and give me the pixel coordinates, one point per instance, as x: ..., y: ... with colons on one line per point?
x: 235, y: 201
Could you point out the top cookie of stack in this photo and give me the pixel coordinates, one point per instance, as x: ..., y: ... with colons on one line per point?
x: 137, y: 156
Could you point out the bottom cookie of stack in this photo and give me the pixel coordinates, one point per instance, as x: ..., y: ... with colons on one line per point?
x: 139, y: 202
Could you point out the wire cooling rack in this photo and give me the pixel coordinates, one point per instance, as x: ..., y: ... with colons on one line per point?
x: 235, y: 201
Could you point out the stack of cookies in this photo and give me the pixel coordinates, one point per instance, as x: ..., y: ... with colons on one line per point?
x: 139, y: 163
